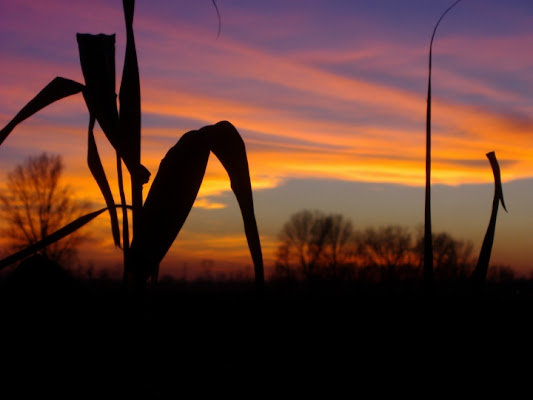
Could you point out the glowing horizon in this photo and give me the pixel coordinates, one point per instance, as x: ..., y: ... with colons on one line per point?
x: 326, y: 93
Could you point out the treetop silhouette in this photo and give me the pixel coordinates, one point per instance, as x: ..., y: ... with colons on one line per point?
x: 36, y: 203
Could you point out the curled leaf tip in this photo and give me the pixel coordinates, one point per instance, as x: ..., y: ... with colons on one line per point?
x: 57, y: 89
x: 491, y: 155
x: 219, y: 19
x: 503, y: 202
x: 142, y: 173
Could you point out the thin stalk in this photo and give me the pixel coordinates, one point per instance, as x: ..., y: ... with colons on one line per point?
x: 480, y: 273
x: 428, y: 242
x: 137, y: 204
x: 130, y: 116
x: 125, y: 222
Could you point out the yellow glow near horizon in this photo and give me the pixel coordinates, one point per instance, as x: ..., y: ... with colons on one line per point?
x: 344, y: 112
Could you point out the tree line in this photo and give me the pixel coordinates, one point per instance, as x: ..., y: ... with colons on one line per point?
x: 314, y: 245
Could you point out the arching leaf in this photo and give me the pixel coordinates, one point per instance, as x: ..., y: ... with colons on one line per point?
x: 169, y: 200
x: 58, y: 89
x: 227, y: 144
x: 97, y: 170
x: 176, y: 186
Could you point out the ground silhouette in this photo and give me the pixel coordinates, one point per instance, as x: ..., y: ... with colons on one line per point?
x: 70, y: 336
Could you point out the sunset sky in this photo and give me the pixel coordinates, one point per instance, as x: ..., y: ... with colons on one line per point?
x: 329, y: 96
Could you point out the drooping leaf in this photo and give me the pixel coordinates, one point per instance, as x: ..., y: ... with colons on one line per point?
x: 58, y: 89
x: 227, y: 144
x: 176, y: 186
x: 50, y: 239
x: 97, y: 58
x: 480, y: 273
x: 169, y: 201
x: 97, y: 170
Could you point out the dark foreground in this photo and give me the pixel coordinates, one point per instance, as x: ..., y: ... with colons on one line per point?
x: 84, y: 339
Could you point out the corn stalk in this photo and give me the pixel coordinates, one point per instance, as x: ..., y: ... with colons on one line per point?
x: 155, y: 225
x: 428, y: 242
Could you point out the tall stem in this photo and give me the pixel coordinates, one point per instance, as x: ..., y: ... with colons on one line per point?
x: 125, y: 223
x: 428, y: 242
x: 480, y: 273
x: 428, y: 239
x: 130, y: 114
x: 137, y: 203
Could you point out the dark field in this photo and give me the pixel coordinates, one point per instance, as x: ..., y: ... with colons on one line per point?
x: 61, y: 336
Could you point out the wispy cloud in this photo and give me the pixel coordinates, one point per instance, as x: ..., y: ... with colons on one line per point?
x: 314, y: 96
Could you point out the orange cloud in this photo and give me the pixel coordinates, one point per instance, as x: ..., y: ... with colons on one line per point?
x: 299, y: 116
x: 394, y: 112
x: 204, y: 246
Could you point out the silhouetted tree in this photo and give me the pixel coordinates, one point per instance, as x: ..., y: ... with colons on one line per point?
x: 452, y: 257
x: 337, y: 253
x: 318, y: 245
x: 314, y: 244
x: 156, y: 223
x: 34, y: 204
x: 388, y: 246
x: 500, y: 273
x: 282, y: 268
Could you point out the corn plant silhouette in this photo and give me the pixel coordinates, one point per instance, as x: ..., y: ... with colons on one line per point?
x: 428, y: 244
x: 480, y: 273
x: 155, y: 224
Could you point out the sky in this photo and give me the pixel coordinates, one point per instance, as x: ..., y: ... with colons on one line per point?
x: 329, y: 97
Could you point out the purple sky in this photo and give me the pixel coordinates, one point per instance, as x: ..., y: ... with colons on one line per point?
x: 329, y: 97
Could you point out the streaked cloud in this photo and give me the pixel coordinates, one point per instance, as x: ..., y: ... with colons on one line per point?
x: 332, y: 90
